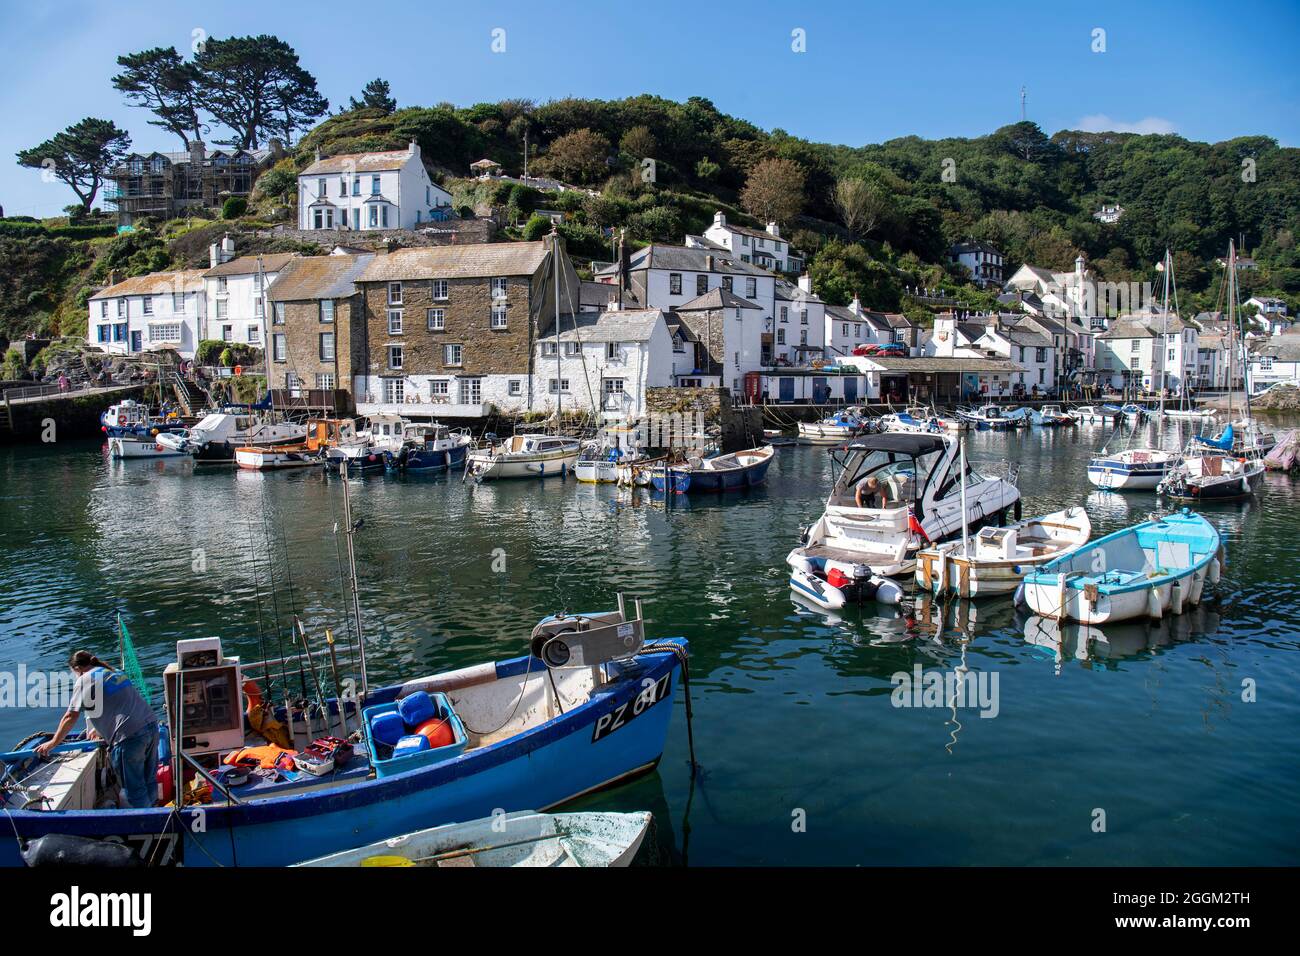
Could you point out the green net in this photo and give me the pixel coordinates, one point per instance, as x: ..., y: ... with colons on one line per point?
x: 131, y: 663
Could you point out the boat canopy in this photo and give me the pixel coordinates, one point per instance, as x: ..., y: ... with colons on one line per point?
x: 903, y: 443
x: 1223, y: 442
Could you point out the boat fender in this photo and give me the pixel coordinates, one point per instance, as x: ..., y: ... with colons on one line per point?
x: 69, y: 850
x: 887, y: 591
x: 1176, y: 595
x: 1154, y: 610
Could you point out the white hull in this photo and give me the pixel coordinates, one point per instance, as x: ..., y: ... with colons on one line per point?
x: 1059, y: 602
x: 486, y: 466
x: 596, y: 472
x: 269, y: 459
x: 125, y: 448
x: 818, y: 434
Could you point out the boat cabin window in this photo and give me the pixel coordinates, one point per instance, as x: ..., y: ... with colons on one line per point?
x: 901, y: 477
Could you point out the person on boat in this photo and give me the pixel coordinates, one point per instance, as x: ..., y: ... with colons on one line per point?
x: 117, y: 714
x: 868, y: 493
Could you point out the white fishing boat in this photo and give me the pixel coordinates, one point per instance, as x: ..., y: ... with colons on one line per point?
x: 894, y: 495
x: 1051, y: 415
x: 321, y: 435
x: 1213, y: 477
x: 599, y: 459
x: 521, y: 839
x: 1090, y: 415
x: 130, y: 446
x: 524, y: 456
x: 1148, y: 570
x: 995, y: 560
x: 986, y: 418
x: 1136, y: 469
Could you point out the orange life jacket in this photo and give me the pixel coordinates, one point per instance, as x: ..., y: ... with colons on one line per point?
x: 270, y: 757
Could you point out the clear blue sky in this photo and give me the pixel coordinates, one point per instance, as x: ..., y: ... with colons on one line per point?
x: 871, y: 71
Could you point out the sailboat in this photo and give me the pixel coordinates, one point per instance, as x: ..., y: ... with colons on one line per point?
x: 1228, y: 466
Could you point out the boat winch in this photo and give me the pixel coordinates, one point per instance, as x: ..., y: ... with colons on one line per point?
x: 588, y: 640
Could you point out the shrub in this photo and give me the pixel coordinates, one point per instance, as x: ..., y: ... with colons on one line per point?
x: 536, y: 227
x: 234, y: 207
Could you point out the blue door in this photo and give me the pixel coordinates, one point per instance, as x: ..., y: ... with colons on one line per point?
x: 785, y: 388
x: 136, y: 342
x: 850, y: 390
x: 821, y: 391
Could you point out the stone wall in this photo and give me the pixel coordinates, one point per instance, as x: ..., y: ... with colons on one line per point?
x: 708, y: 328
x: 740, y: 428
x: 75, y: 416
x: 302, y: 330
x: 453, y: 232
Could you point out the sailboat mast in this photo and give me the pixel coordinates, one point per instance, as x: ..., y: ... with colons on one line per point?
x: 1164, y: 338
x: 1231, y: 295
x: 352, y: 575
x: 559, y: 381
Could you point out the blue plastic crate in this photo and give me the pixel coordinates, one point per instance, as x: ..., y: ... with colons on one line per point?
x: 387, y: 767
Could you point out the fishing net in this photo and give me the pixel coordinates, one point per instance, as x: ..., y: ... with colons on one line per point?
x: 131, y: 663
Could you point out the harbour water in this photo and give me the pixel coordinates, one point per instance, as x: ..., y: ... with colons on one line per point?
x: 1161, y: 744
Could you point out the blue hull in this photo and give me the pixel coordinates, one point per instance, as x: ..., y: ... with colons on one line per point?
x: 588, y: 747
x: 428, y: 461
x: 672, y: 480
x: 731, y: 480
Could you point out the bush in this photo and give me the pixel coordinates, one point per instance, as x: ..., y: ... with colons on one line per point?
x: 536, y: 227
x: 234, y: 207
x: 209, y: 352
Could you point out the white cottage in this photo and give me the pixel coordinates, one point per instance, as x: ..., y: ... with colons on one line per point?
x: 360, y: 191
x: 161, y: 310
x: 235, y: 290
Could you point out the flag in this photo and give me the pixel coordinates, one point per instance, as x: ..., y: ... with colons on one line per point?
x: 914, y: 525
x: 131, y: 663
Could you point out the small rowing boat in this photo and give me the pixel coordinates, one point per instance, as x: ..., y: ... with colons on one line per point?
x: 1149, y: 569
x: 521, y: 839
x: 740, y: 469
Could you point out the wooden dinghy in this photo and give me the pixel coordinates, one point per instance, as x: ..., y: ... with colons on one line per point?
x: 995, y: 560
x: 507, y: 840
x: 1148, y: 570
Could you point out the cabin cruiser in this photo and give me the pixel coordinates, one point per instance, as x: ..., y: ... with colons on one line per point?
x: 374, y: 437
x: 988, y: 417
x: 916, y: 420
x: 130, y: 417
x: 1136, y: 469
x: 600, y: 458
x: 1213, y: 476
x: 1051, y: 415
x: 432, y: 447
x: 911, y: 491
x: 321, y: 435
x: 214, y: 439
x: 1090, y: 415
x: 530, y: 455
x: 834, y: 428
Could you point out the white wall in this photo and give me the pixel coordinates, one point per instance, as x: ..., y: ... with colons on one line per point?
x: 409, y: 189
x: 241, y: 298
x: 188, y: 317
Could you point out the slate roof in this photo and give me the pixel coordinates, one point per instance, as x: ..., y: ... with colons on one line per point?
x: 685, y: 259
x: 358, y: 163
x: 247, y: 265
x: 457, y: 262
x: 155, y: 283
x: 319, y: 277
x: 715, y: 299
x: 628, y: 325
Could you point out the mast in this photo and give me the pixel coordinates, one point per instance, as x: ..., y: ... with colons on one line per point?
x: 266, y: 334
x: 1164, y: 337
x: 1231, y: 295
x: 965, y: 517
x: 352, y: 574
x: 559, y: 381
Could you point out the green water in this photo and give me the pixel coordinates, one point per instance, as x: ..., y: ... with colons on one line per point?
x: 805, y: 760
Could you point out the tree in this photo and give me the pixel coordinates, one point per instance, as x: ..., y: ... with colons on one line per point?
x: 375, y: 95
x: 774, y: 190
x: 161, y: 81
x: 580, y: 155
x: 638, y: 142
x: 80, y: 156
x: 862, y: 206
x: 256, y: 88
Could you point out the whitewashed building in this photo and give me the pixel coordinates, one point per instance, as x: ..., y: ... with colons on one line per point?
x: 1270, y: 313
x: 161, y: 310
x: 798, y: 329
x: 361, y: 191
x: 763, y: 248
x: 1146, y: 350
x: 602, y: 362
x: 1275, y: 362
x: 234, y: 292
x: 983, y: 261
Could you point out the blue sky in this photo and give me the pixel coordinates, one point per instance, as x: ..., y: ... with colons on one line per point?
x: 871, y: 71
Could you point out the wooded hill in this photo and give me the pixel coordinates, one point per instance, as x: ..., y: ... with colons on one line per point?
x: 1030, y: 195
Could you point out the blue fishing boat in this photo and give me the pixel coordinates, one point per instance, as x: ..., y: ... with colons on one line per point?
x: 437, y: 448
x: 589, y: 705
x: 741, y: 469
x: 1148, y: 570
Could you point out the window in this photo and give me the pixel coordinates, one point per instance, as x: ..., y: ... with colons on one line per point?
x: 325, y: 381
x: 103, y: 308
x: 612, y: 352
x: 223, y: 285
x: 744, y: 240
x: 780, y: 336
x: 498, y: 288
x: 394, y: 390
x: 439, y: 290
x: 785, y: 313
x: 277, y: 311
x: 471, y: 391
x: 900, y: 336
x: 343, y: 185
x: 515, y: 387
x: 103, y: 333
x: 280, y: 346
x: 227, y: 333
x: 327, y: 346
x: 674, y: 283
x: 435, y: 319
x: 498, y: 316
x: 121, y: 308
x: 374, y: 217
x: 119, y: 332
x: 374, y: 185
x: 736, y: 359
x: 394, y: 293
x: 1136, y: 345
x: 845, y: 330
x: 394, y: 321
x: 751, y: 288
x: 1040, y: 355
x: 254, y: 334
x: 383, y: 216
x: 701, y: 284
x: 223, y: 307
x: 260, y: 308
x: 356, y: 187
x: 563, y: 385
x: 1171, y: 355
x: 148, y: 305
x: 451, y: 354
x: 394, y: 356
x: 549, y: 349
x: 803, y: 336
x: 572, y: 349
x: 440, y: 388
x: 803, y: 316
x: 327, y: 310
x: 727, y: 283
x: 292, y: 383
x: 169, y: 332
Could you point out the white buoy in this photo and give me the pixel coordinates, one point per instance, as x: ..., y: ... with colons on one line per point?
x: 1154, y: 609
x: 1176, y: 597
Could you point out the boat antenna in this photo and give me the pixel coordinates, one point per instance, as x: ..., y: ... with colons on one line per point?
x: 352, y: 570
x: 965, y: 518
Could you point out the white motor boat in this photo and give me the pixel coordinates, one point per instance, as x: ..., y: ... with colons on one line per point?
x: 216, y: 436
x: 521, y: 839
x: 1213, y: 476
x: 601, y: 457
x: 373, y: 437
x: 912, y: 496
x: 1089, y: 415
x: 127, y: 446
x: 834, y: 428
x: 995, y: 560
x: 524, y: 456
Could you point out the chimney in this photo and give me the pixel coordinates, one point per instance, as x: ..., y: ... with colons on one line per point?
x: 413, y: 148
x: 708, y: 260
x: 624, y: 266
x: 198, y: 152
x: 774, y: 230
x: 228, y: 246
x: 113, y: 277
x: 805, y: 283
x: 719, y: 219
x: 214, y: 256
x: 856, y: 305
x: 318, y: 154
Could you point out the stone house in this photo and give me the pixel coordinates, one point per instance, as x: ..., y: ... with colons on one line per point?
x: 317, y: 338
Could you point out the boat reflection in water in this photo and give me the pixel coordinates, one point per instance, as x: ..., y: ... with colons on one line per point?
x: 1094, y: 647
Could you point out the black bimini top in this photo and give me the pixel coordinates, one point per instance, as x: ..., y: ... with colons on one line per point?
x: 903, y: 443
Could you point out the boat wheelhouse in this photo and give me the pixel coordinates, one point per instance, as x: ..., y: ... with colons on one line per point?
x: 531, y: 455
